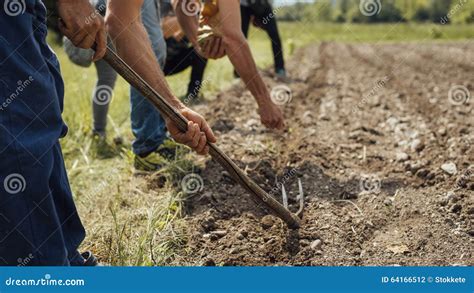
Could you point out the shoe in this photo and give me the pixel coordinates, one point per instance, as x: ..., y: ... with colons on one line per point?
x: 153, y: 162
x: 89, y: 259
x: 101, y: 148
x: 281, y: 74
x: 170, y: 149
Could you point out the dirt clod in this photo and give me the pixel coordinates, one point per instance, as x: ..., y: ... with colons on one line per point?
x: 456, y: 208
x: 209, y: 224
x: 268, y: 221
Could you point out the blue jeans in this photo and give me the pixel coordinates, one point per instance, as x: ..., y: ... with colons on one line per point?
x: 39, y: 224
x: 148, y: 126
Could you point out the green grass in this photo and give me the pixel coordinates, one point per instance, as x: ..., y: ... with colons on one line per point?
x: 131, y: 220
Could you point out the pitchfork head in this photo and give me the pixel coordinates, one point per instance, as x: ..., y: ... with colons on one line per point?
x: 299, y: 198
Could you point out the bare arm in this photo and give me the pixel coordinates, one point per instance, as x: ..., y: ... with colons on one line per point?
x: 123, y: 22
x: 231, y: 41
x: 239, y: 53
x: 187, y: 13
x: 171, y: 28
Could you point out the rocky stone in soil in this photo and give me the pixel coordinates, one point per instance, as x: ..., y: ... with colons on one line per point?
x: 402, y: 157
x: 417, y: 145
x: 449, y: 168
x: 316, y: 244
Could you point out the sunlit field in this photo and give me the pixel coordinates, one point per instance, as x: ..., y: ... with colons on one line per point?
x: 137, y: 220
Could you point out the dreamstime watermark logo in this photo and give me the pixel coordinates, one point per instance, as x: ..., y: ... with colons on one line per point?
x: 22, y: 262
x: 195, y: 93
x: 46, y: 281
x: 14, y: 183
x: 90, y: 19
x: 191, y: 7
x: 370, y: 183
x: 281, y: 95
x: 192, y: 184
x: 21, y: 86
x: 284, y: 179
x: 271, y: 15
x: 103, y: 95
x: 459, y: 95
x: 454, y: 10
x: 14, y: 7
x: 370, y: 7
x: 379, y: 85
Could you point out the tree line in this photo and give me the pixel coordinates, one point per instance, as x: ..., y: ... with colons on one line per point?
x: 370, y: 11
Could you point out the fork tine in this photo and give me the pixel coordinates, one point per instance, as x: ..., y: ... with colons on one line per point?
x: 284, y: 196
x: 300, y: 198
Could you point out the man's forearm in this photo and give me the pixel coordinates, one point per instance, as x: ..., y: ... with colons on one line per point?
x: 240, y: 56
x: 133, y: 45
x: 188, y: 21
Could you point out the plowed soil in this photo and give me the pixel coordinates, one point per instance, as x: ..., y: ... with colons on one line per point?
x: 369, y: 127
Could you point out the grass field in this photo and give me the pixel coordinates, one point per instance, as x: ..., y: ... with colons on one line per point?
x: 129, y: 219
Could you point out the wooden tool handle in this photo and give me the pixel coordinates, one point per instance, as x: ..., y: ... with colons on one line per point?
x: 168, y: 111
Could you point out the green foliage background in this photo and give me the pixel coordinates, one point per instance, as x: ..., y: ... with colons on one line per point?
x: 455, y: 11
x: 436, y: 11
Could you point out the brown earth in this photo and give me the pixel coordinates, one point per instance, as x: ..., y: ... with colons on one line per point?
x: 369, y: 127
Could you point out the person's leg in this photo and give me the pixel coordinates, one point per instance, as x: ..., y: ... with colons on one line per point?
x: 148, y: 126
x: 271, y: 27
x: 71, y: 226
x: 39, y: 224
x: 102, y: 96
x: 197, y: 74
x: 246, y: 14
x: 178, y: 62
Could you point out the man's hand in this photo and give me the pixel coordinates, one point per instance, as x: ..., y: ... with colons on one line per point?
x: 271, y: 116
x: 198, y: 134
x: 213, y: 48
x: 82, y: 25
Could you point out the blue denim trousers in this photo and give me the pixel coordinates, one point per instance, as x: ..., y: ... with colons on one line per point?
x: 39, y: 224
x: 148, y: 126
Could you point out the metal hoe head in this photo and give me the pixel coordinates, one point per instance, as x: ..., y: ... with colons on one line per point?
x: 299, y: 198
